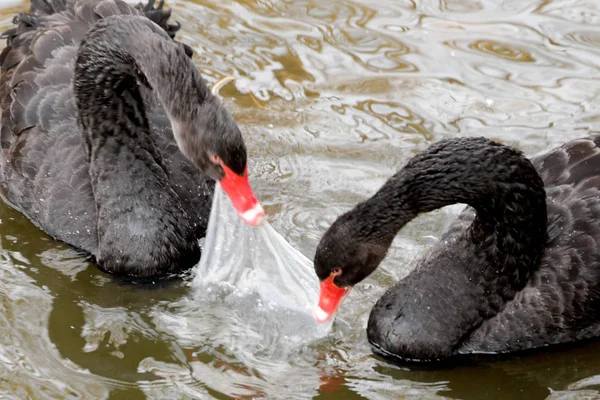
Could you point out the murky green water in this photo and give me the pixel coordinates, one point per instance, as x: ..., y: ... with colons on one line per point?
x: 333, y: 96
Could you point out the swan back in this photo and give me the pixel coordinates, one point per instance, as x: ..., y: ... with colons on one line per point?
x: 44, y: 170
x: 559, y: 303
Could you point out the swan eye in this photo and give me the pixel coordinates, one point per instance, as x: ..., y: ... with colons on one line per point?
x: 215, y: 159
x: 336, y: 271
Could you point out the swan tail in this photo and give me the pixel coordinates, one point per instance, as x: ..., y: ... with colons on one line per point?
x: 160, y: 15
x: 157, y: 13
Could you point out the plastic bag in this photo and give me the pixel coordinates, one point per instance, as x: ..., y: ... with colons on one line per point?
x: 254, y: 260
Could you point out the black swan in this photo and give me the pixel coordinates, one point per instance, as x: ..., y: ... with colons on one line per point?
x: 518, y: 270
x: 111, y: 141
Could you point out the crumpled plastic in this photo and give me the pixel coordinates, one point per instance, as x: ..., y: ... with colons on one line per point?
x: 254, y: 260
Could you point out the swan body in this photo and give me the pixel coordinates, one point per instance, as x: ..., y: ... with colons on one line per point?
x: 111, y: 140
x: 518, y: 270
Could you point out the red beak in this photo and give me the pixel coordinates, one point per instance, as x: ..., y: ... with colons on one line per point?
x: 240, y: 193
x: 330, y: 298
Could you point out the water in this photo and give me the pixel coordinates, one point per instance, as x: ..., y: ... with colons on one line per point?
x: 252, y: 294
x: 277, y: 273
x: 332, y: 97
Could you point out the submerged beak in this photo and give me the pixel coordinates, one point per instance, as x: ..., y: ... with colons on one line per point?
x: 240, y: 193
x: 330, y: 298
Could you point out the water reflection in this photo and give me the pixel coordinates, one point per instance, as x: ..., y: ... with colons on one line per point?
x: 332, y: 98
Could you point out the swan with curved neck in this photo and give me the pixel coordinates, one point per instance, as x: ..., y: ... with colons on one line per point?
x: 118, y: 57
x: 111, y: 139
x: 519, y: 269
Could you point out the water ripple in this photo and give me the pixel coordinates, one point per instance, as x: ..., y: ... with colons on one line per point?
x: 332, y: 97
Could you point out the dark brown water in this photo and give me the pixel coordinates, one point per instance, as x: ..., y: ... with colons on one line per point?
x: 332, y: 96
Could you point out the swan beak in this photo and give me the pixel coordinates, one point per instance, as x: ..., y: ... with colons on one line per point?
x: 330, y: 298
x: 237, y: 187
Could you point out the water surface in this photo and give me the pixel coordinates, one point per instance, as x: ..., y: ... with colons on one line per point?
x: 332, y: 97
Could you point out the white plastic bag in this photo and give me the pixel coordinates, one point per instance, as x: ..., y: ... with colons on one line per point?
x: 254, y: 260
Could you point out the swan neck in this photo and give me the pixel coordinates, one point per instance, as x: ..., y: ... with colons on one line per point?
x: 502, y: 186
x: 126, y: 69
x: 122, y: 59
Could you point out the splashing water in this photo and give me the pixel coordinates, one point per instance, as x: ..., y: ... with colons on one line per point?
x: 260, y: 290
x: 254, y: 260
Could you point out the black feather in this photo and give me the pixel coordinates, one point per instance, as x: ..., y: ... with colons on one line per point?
x: 519, y: 269
x: 135, y: 203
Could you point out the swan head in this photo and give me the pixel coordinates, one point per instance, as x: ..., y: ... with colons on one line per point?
x: 211, y: 139
x: 344, y: 257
